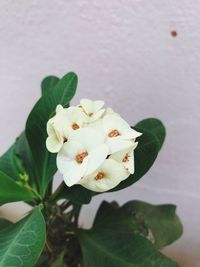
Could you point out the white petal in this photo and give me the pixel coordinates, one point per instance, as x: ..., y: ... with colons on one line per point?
x: 98, y: 104
x: 96, y: 115
x: 112, y: 122
x: 87, y: 105
x: 117, y: 144
x: 68, y: 153
x: 73, y: 115
x: 130, y: 134
x: 96, y: 157
x: 119, y: 157
x: 59, y: 108
x: 74, y: 172
x: 76, y: 115
x: 60, y: 120
x: 114, y: 173
x: 90, y: 106
x: 50, y: 128
x: 53, y: 144
x: 88, y: 137
x: 67, y: 164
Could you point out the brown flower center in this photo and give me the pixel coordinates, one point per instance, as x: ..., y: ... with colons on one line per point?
x: 114, y: 133
x: 80, y: 157
x: 75, y: 126
x: 126, y: 158
x: 99, y: 176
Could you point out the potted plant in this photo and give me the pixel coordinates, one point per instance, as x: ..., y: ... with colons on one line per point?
x: 95, y: 151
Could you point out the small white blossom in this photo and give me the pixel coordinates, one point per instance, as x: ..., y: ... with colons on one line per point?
x: 108, y: 176
x: 126, y: 158
x: 84, y: 152
x: 119, y: 134
x: 69, y: 120
x: 55, y: 138
x: 93, y: 109
x: 62, y: 124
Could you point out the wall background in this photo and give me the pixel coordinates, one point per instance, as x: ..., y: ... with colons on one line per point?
x: 124, y: 52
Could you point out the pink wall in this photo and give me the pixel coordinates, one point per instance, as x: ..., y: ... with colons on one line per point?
x: 124, y: 53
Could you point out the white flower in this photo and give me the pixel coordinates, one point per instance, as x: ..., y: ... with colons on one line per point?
x: 119, y: 134
x: 69, y: 120
x: 92, y: 109
x: 55, y: 138
x: 81, y: 155
x: 62, y: 124
x: 95, y: 146
x: 106, y: 177
x: 126, y: 158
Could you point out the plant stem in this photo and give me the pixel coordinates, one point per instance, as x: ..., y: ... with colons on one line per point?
x: 58, y: 191
x: 34, y: 191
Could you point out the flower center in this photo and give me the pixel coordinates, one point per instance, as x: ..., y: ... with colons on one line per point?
x: 80, y: 157
x: 114, y: 133
x: 90, y: 114
x: 99, y: 176
x: 75, y: 126
x: 126, y: 158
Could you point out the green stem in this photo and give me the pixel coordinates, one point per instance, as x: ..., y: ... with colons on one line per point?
x: 34, y: 191
x: 58, y: 191
x: 49, y: 190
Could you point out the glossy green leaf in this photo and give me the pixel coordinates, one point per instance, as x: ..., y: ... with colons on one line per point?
x: 145, y: 154
x: 76, y: 194
x: 23, y: 152
x: 10, y: 163
x: 4, y: 223
x: 21, y: 244
x: 103, y: 248
x: 153, y: 126
x: 48, y: 84
x: 161, y: 220
x: 129, y: 235
x: 45, y: 162
x: 18, y: 161
x: 125, y: 222
x: 10, y: 191
x: 157, y: 222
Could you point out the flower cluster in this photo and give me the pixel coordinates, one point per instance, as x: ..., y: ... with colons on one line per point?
x: 94, y: 146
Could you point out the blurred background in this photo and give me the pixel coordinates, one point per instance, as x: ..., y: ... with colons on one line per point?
x: 142, y: 57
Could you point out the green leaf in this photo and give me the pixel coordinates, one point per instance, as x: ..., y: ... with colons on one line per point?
x: 48, y: 84
x: 110, y: 214
x: 23, y: 152
x: 161, y: 220
x: 156, y: 222
x: 145, y: 154
x: 21, y: 244
x: 153, y: 126
x: 103, y: 248
x: 76, y: 194
x: 119, y: 236
x: 10, y: 164
x: 45, y: 162
x: 4, y: 223
x: 10, y: 191
x: 17, y: 161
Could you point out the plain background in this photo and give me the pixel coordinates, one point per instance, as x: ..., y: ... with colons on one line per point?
x: 127, y: 53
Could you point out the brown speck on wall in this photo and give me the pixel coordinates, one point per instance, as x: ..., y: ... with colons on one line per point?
x: 174, y: 33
